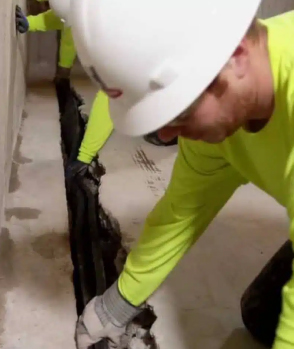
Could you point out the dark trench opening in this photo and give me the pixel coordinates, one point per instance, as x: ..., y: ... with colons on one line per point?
x: 95, y: 236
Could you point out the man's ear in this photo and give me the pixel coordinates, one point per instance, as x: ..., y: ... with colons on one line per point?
x: 239, y: 61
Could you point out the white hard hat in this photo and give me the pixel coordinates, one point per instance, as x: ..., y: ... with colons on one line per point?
x: 155, y: 57
x: 62, y: 9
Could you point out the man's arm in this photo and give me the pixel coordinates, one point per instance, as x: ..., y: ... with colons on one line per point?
x: 98, y: 130
x: 45, y: 21
x: 67, y: 51
x: 201, y: 183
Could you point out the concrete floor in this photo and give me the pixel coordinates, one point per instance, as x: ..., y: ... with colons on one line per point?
x: 198, y: 305
x: 37, y: 306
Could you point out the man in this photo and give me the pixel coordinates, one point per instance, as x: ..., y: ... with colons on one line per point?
x: 222, y: 81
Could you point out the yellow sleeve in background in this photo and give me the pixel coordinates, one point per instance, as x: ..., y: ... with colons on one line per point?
x: 67, y: 51
x: 99, y: 128
x: 45, y: 21
x: 201, y: 184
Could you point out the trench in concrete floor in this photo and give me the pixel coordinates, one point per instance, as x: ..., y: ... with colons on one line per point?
x: 95, y: 236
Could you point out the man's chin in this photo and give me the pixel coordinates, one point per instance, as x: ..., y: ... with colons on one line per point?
x: 214, y: 139
x: 210, y: 138
x: 221, y: 137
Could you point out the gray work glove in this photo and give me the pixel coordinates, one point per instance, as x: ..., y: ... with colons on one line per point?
x: 105, y: 317
x: 21, y: 21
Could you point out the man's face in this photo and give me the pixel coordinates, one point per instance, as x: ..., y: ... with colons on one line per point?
x: 225, y: 106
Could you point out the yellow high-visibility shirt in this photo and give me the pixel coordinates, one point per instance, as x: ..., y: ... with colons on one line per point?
x: 205, y: 176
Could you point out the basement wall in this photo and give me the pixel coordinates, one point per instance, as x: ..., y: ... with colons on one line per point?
x: 12, y: 90
x: 270, y: 8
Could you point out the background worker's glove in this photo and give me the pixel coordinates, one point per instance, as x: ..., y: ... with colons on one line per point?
x: 75, y: 168
x: 21, y: 21
x: 105, y: 317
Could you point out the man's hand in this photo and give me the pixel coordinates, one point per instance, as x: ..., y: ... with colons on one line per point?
x: 105, y: 317
x: 76, y: 168
x: 21, y: 22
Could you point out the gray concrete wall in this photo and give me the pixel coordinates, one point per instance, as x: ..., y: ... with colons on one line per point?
x: 272, y: 7
x: 42, y: 48
x: 12, y: 89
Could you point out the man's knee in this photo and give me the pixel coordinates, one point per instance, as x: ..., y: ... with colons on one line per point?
x: 261, y: 303
x: 260, y: 321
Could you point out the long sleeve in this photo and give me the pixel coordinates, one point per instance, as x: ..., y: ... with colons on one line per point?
x: 45, y: 21
x: 202, y: 182
x: 67, y: 52
x: 285, y: 330
x: 98, y: 129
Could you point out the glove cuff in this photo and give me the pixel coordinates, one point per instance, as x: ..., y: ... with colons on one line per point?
x: 119, y: 311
